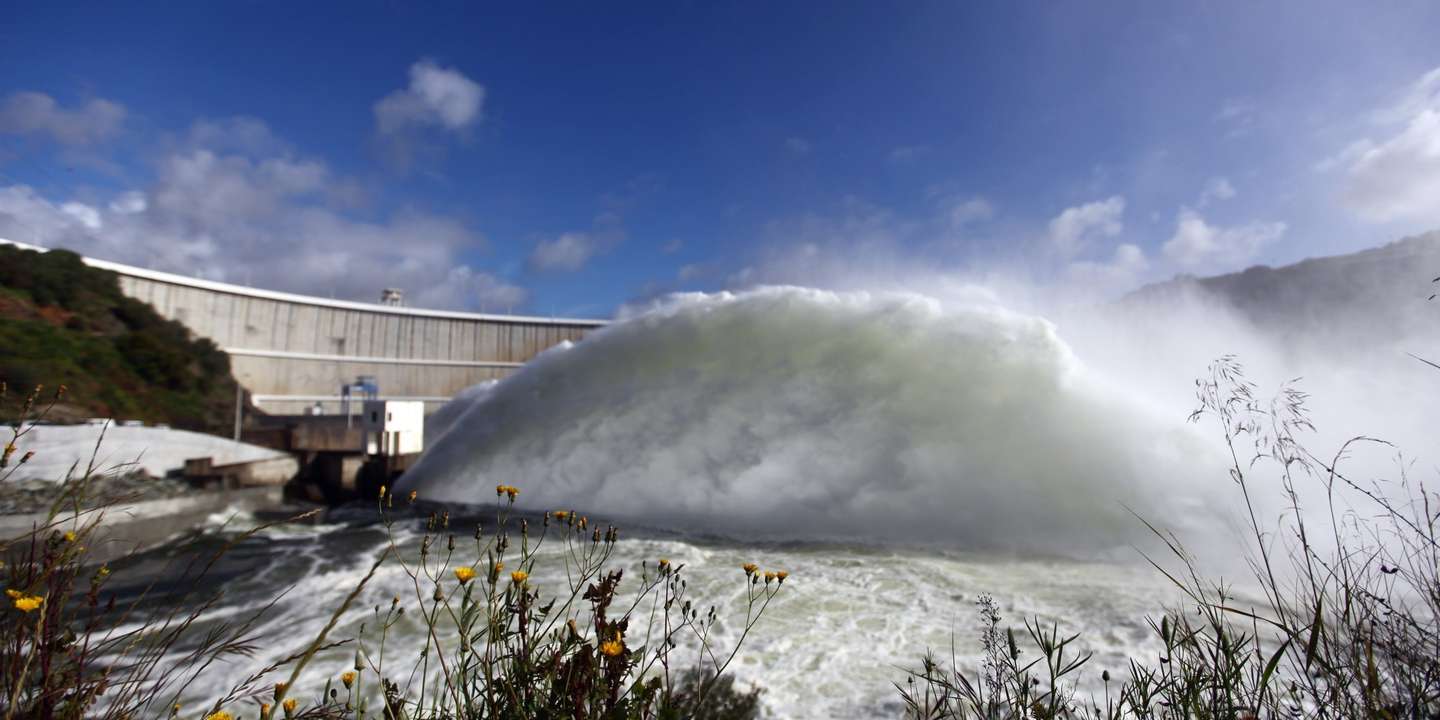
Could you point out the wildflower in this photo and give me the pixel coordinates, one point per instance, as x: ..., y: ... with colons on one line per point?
x: 501, y: 490
x: 614, y: 647
x: 561, y: 515
x: 512, y: 491
x: 279, y: 691
x: 221, y: 715
x: 289, y: 706
x: 382, y: 491
x: 12, y: 593
x: 29, y: 602
x: 749, y: 568
x: 781, y: 575
x: 519, y: 577
x: 70, y: 536
x: 348, y: 678
x: 464, y: 574
x: 26, y: 457
x: 769, y: 577
x: 664, y: 565
x: 264, y: 710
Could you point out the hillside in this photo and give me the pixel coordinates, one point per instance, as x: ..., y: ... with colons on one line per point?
x: 1370, y: 298
x: 64, y: 322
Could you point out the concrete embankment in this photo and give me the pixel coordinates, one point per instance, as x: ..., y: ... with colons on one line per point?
x: 124, y: 528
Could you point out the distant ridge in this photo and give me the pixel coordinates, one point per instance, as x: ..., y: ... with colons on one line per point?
x: 1376, y: 296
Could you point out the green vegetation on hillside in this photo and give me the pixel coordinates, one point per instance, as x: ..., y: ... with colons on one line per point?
x: 62, y: 321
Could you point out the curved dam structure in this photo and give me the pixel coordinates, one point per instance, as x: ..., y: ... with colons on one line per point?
x: 294, y: 351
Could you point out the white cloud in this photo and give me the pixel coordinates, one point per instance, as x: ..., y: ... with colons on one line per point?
x: 1217, y: 189
x: 1238, y: 115
x: 32, y: 113
x: 437, y: 96
x: 86, y: 215
x: 1073, y: 229
x: 1119, y: 273
x: 969, y: 211
x: 567, y: 253
x: 1198, y: 244
x: 1398, y: 176
x: 798, y: 146
x: 265, y: 219
x: 129, y: 203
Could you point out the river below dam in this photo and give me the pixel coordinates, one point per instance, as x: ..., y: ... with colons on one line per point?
x: 850, y: 619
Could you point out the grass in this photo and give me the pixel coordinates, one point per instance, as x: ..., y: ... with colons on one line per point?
x: 495, y: 646
x: 1346, y: 626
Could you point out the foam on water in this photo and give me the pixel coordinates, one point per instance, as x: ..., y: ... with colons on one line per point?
x: 790, y: 412
x: 830, y: 646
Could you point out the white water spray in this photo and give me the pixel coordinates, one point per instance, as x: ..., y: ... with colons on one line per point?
x: 796, y: 413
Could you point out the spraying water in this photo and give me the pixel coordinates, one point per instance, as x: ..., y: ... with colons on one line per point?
x: 798, y: 413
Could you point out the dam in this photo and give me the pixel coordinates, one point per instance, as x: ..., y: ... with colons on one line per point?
x: 294, y: 353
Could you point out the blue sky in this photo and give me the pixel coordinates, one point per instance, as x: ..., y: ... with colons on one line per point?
x: 570, y: 158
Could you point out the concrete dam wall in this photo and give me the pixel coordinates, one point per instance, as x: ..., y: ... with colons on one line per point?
x: 293, y: 351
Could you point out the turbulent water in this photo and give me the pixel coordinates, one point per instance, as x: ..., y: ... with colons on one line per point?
x: 897, y: 455
x: 803, y: 414
x: 850, y: 617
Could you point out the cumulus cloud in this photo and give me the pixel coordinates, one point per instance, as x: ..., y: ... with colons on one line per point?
x: 1119, y: 273
x: 567, y: 253
x: 32, y: 113
x: 265, y: 218
x: 1072, y: 230
x: 436, y: 96
x: 1197, y: 244
x: 1217, y: 189
x: 969, y: 211
x: 1397, y: 177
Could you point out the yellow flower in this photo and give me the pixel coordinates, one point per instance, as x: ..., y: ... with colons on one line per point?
x: 382, y: 491
x: 70, y: 536
x: 614, y: 647
x: 561, y: 514
x: 749, y: 568
x: 664, y: 563
x: 348, y: 678
x: 782, y: 575
x: 14, y: 593
x: 500, y: 490
x: 512, y: 491
x: 222, y: 715
x: 769, y: 577
x: 519, y: 577
x: 264, y: 710
x: 29, y: 602
x: 289, y: 706
x: 464, y: 574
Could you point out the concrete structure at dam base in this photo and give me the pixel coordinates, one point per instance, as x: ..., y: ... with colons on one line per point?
x: 298, y: 354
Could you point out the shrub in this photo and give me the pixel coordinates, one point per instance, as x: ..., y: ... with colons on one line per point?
x: 65, y: 321
x: 494, y: 645
x: 1347, y: 627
